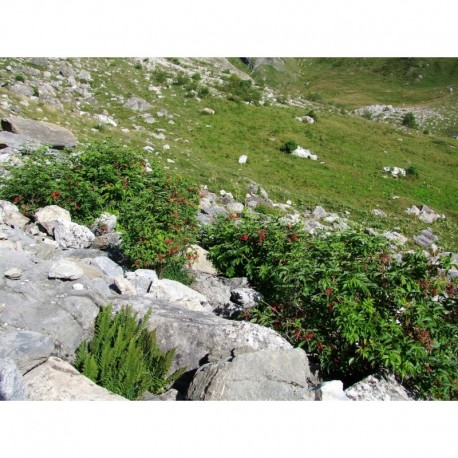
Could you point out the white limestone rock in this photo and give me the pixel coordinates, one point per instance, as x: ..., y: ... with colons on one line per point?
x: 330, y: 391
x: 48, y: 217
x: 72, y: 235
x: 57, y: 380
x: 65, y: 270
x: 142, y: 279
x: 11, y: 215
x: 13, y: 274
x: 124, y: 286
x: 378, y: 387
x: 175, y: 291
x: 201, y: 262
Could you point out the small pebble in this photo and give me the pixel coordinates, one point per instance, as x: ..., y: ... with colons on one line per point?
x: 13, y: 274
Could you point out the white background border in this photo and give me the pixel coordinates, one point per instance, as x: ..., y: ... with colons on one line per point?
x: 402, y: 28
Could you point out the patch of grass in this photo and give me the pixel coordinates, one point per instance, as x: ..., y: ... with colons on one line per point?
x: 178, y: 273
x: 269, y: 210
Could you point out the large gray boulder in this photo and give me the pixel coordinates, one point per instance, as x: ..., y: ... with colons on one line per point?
x: 57, y: 380
x: 42, y: 61
x: 12, y: 387
x: 196, y: 334
x: 26, y: 348
x: 43, y: 132
x: 72, y: 235
x: 382, y: 386
x: 21, y: 88
x: 265, y: 375
x: 66, y: 70
x: 48, y: 217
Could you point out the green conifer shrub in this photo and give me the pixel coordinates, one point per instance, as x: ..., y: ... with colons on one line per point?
x: 123, y: 356
x: 409, y: 120
x: 289, y: 147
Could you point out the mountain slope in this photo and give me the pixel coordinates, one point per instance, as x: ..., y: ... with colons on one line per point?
x: 352, y: 149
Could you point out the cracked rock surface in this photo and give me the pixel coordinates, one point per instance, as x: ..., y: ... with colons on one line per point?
x: 267, y: 375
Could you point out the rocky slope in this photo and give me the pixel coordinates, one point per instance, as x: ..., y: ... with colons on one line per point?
x: 55, y: 275
x: 51, y: 294
x: 185, y: 113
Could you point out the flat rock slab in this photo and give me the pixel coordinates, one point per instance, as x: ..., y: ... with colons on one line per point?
x: 57, y: 380
x: 177, y: 292
x: 266, y: 375
x: 107, y: 266
x: 15, y: 141
x: 48, y: 307
x: 196, y: 334
x: 65, y: 270
x: 26, y: 348
x: 43, y: 132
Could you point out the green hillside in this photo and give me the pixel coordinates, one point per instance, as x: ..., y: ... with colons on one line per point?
x: 352, y: 149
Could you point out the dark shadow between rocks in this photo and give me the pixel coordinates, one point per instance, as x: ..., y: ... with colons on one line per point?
x: 183, y: 383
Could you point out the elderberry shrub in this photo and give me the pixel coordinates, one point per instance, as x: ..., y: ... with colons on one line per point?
x: 156, y: 210
x: 344, y: 298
